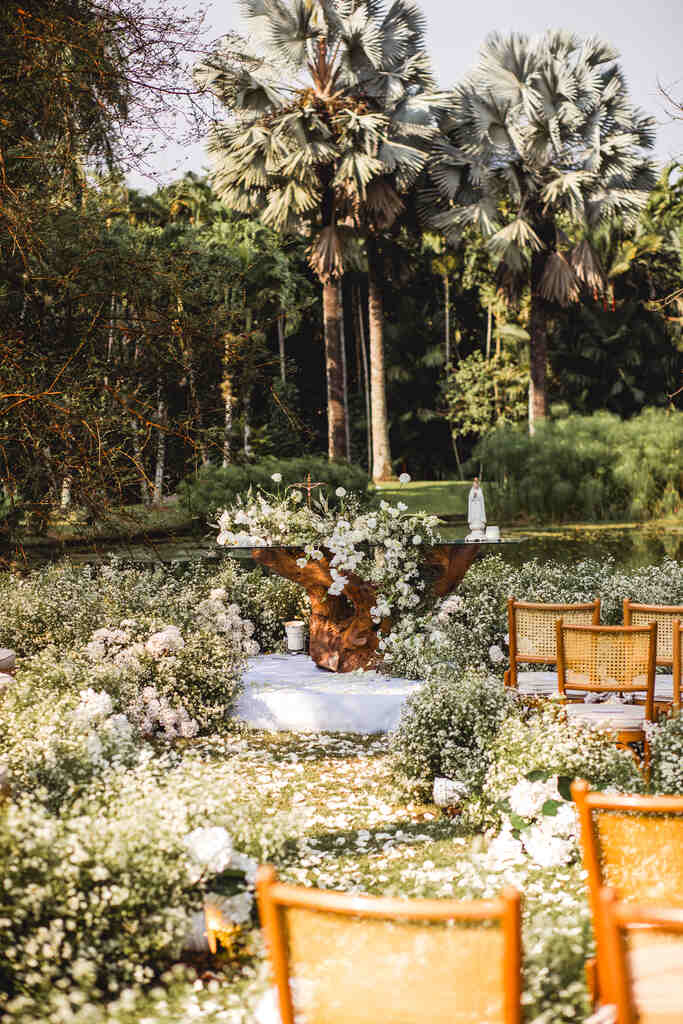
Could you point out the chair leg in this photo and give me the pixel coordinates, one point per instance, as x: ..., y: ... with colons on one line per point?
x: 591, y: 969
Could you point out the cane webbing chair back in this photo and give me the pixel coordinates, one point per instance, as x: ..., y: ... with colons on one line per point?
x: 607, y: 659
x: 677, y: 632
x: 642, y: 960
x: 664, y: 616
x: 633, y: 844
x: 531, y: 629
x: 339, y: 958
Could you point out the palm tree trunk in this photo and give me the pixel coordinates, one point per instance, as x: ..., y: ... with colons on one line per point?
x: 336, y: 430
x: 365, y: 374
x: 160, y: 466
x: 281, y: 346
x: 228, y: 398
x: 447, y: 319
x: 381, y: 453
x: 345, y: 376
x: 538, y: 343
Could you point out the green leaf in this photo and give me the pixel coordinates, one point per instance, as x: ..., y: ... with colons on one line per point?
x: 518, y: 822
x: 563, y: 786
x: 550, y: 807
x: 537, y: 775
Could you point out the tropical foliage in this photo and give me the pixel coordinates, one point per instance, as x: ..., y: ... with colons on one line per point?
x: 548, y: 125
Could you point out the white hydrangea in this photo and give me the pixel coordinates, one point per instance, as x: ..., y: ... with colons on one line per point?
x: 165, y: 641
x: 93, y: 708
x: 527, y: 798
x: 210, y: 849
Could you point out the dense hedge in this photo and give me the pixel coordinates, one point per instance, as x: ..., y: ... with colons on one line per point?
x: 593, y: 468
x: 215, y: 487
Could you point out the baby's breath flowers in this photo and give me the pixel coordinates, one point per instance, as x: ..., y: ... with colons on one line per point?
x: 378, y: 546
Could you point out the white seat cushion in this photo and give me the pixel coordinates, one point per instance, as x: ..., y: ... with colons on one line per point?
x: 607, y: 715
x: 537, y: 683
x: 540, y: 684
x: 664, y: 687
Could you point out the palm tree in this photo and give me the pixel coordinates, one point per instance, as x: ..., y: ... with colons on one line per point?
x: 329, y: 125
x: 548, y: 125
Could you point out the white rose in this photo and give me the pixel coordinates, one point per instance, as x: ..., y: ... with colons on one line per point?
x: 340, y: 492
x: 404, y: 478
x: 495, y: 654
x: 417, y: 539
x: 210, y: 847
x: 276, y: 478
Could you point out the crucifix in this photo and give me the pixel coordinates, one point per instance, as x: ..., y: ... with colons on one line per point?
x: 308, y: 485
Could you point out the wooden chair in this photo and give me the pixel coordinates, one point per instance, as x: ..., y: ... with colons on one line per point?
x: 531, y: 629
x: 339, y: 958
x: 642, y: 960
x: 633, y: 844
x: 668, y: 619
x: 604, y: 660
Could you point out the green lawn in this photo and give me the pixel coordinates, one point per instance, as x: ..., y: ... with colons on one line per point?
x: 438, y: 497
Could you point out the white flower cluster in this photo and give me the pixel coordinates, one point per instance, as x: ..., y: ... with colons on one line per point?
x: 153, y: 714
x: 217, y: 615
x: 105, y: 731
x: 380, y: 546
x: 544, y: 827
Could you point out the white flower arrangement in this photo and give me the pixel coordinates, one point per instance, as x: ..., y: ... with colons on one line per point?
x: 540, y: 823
x: 377, y: 546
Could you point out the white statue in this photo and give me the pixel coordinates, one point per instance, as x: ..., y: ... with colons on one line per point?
x: 476, y: 512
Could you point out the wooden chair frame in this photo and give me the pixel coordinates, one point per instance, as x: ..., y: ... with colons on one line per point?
x: 675, y: 611
x: 518, y: 659
x: 586, y: 803
x: 616, y: 919
x: 274, y: 895
x: 624, y: 631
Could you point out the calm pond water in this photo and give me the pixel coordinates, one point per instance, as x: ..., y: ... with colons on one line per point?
x: 630, y: 544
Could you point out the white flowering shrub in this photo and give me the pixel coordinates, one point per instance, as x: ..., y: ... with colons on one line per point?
x: 95, y: 898
x: 470, y: 628
x: 666, y: 755
x: 63, y: 724
x: 545, y: 745
x: 265, y: 599
x: 381, y: 546
x: 102, y: 893
x: 448, y: 729
x: 63, y: 605
x: 179, y: 683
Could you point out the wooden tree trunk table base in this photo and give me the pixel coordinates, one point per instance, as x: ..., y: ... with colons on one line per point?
x: 343, y: 636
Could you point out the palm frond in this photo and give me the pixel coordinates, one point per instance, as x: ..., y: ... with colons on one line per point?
x: 326, y: 255
x: 383, y: 203
x: 586, y: 265
x: 559, y: 282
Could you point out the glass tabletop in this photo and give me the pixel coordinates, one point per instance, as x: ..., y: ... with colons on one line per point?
x: 438, y: 544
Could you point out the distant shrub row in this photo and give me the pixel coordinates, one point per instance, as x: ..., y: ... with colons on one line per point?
x: 215, y: 487
x: 593, y: 468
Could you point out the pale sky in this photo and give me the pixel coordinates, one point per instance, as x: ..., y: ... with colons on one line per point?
x: 649, y: 36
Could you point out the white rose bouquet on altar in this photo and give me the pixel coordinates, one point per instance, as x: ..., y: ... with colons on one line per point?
x: 382, y: 546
